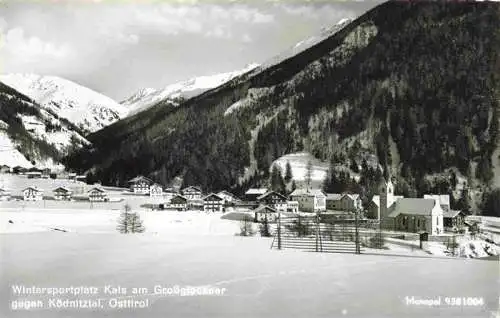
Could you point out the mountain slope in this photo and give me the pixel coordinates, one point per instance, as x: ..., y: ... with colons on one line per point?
x: 178, y: 92
x: 88, y: 110
x: 33, y: 135
x: 415, y: 83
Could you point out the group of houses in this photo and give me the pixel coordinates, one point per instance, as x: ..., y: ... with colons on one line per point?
x: 34, y: 193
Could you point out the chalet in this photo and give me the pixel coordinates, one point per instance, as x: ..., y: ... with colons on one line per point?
x: 274, y: 200
x: 62, y: 193
x: 254, y: 193
x: 264, y: 211
x: 213, y: 203
x: 351, y: 202
x: 155, y: 190
x: 192, y: 193
x: 195, y: 204
x: 32, y: 194
x: 140, y: 184
x: 4, y: 195
x: 98, y: 194
x: 310, y: 200
x: 178, y: 202
x: 333, y: 201
x: 415, y: 215
x: 453, y: 220
x: 4, y: 169
x: 228, y: 197
x: 292, y: 206
x: 34, y: 174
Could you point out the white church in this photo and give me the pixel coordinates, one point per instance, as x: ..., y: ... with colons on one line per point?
x: 407, y: 214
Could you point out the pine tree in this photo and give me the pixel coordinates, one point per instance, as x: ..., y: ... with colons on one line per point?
x: 264, y: 227
x: 288, y: 172
x: 277, y: 182
x: 464, y: 202
x: 130, y: 222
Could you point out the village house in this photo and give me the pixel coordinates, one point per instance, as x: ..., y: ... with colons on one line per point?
x: 72, y: 176
x: 416, y: 215
x: 213, y: 203
x: 4, y: 195
x: 274, y: 200
x: 292, y: 206
x: 19, y: 170
x: 264, y: 211
x: 169, y: 193
x: 228, y: 197
x: 97, y: 194
x: 192, y: 193
x: 46, y: 173
x: 333, y: 201
x: 178, y: 202
x: 33, y: 194
x: 156, y: 190
x: 62, y: 193
x: 81, y: 178
x: 453, y: 220
x: 140, y: 185
x: 4, y: 169
x: 252, y: 194
x: 310, y: 200
x: 351, y: 202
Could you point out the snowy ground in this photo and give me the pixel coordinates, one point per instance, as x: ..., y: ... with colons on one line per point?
x: 259, y: 282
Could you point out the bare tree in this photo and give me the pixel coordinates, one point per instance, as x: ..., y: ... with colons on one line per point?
x: 246, y: 228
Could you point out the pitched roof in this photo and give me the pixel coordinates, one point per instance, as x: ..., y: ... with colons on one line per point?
x: 213, y: 195
x: 259, y: 191
x: 178, y: 196
x: 93, y: 189
x: 307, y: 192
x: 34, y: 188
x: 157, y: 185
x: 192, y: 187
x: 269, y: 193
x: 139, y: 178
x: 264, y: 209
x: 413, y: 206
x: 352, y: 196
x: 63, y: 189
x: 334, y: 196
x: 451, y: 213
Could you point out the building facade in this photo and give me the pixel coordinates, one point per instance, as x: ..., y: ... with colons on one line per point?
x: 140, y: 185
x: 213, y: 203
x: 192, y: 193
x: 97, y: 194
x: 274, y: 200
x: 252, y: 194
x: 265, y: 211
x: 32, y: 194
x: 310, y: 200
x: 178, y: 202
x: 416, y: 215
x: 155, y: 190
x: 62, y: 193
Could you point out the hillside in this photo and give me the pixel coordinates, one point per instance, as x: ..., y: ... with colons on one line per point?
x: 414, y: 83
x: 33, y: 135
x: 87, y: 109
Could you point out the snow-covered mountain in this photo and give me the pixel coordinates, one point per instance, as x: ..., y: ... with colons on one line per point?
x: 85, y: 108
x: 175, y: 93
x: 33, y: 135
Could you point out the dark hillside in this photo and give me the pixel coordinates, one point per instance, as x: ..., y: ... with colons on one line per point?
x: 416, y: 83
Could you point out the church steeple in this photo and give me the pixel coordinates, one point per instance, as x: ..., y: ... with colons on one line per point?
x: 386, y: 197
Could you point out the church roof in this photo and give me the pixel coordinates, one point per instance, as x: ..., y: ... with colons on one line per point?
x: 413, y: 206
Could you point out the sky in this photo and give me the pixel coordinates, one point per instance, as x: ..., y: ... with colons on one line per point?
x: 118, y: 47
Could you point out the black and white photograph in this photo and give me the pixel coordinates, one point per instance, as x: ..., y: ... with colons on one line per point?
x: 249, y: 158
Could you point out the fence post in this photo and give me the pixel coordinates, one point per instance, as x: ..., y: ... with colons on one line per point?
x: 279, y: 230
x: 356, y: 225
x: 317, y: 232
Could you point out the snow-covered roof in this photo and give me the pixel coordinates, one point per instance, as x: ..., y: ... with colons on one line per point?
x: 265, y: 195
x: 353, y: 196
x: 258, y: 191
x: 264, y: 209
x: 307, y: 192
x: 192, y: 188
x: 140, y: 178
x: 334, y: 196
x: 451, y: 213
x: 62, y: 189
x: 213, y: 196
x: 35, y: 188
x: 96, y: 189
x: 443, y: 199
x: 413, y: 206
